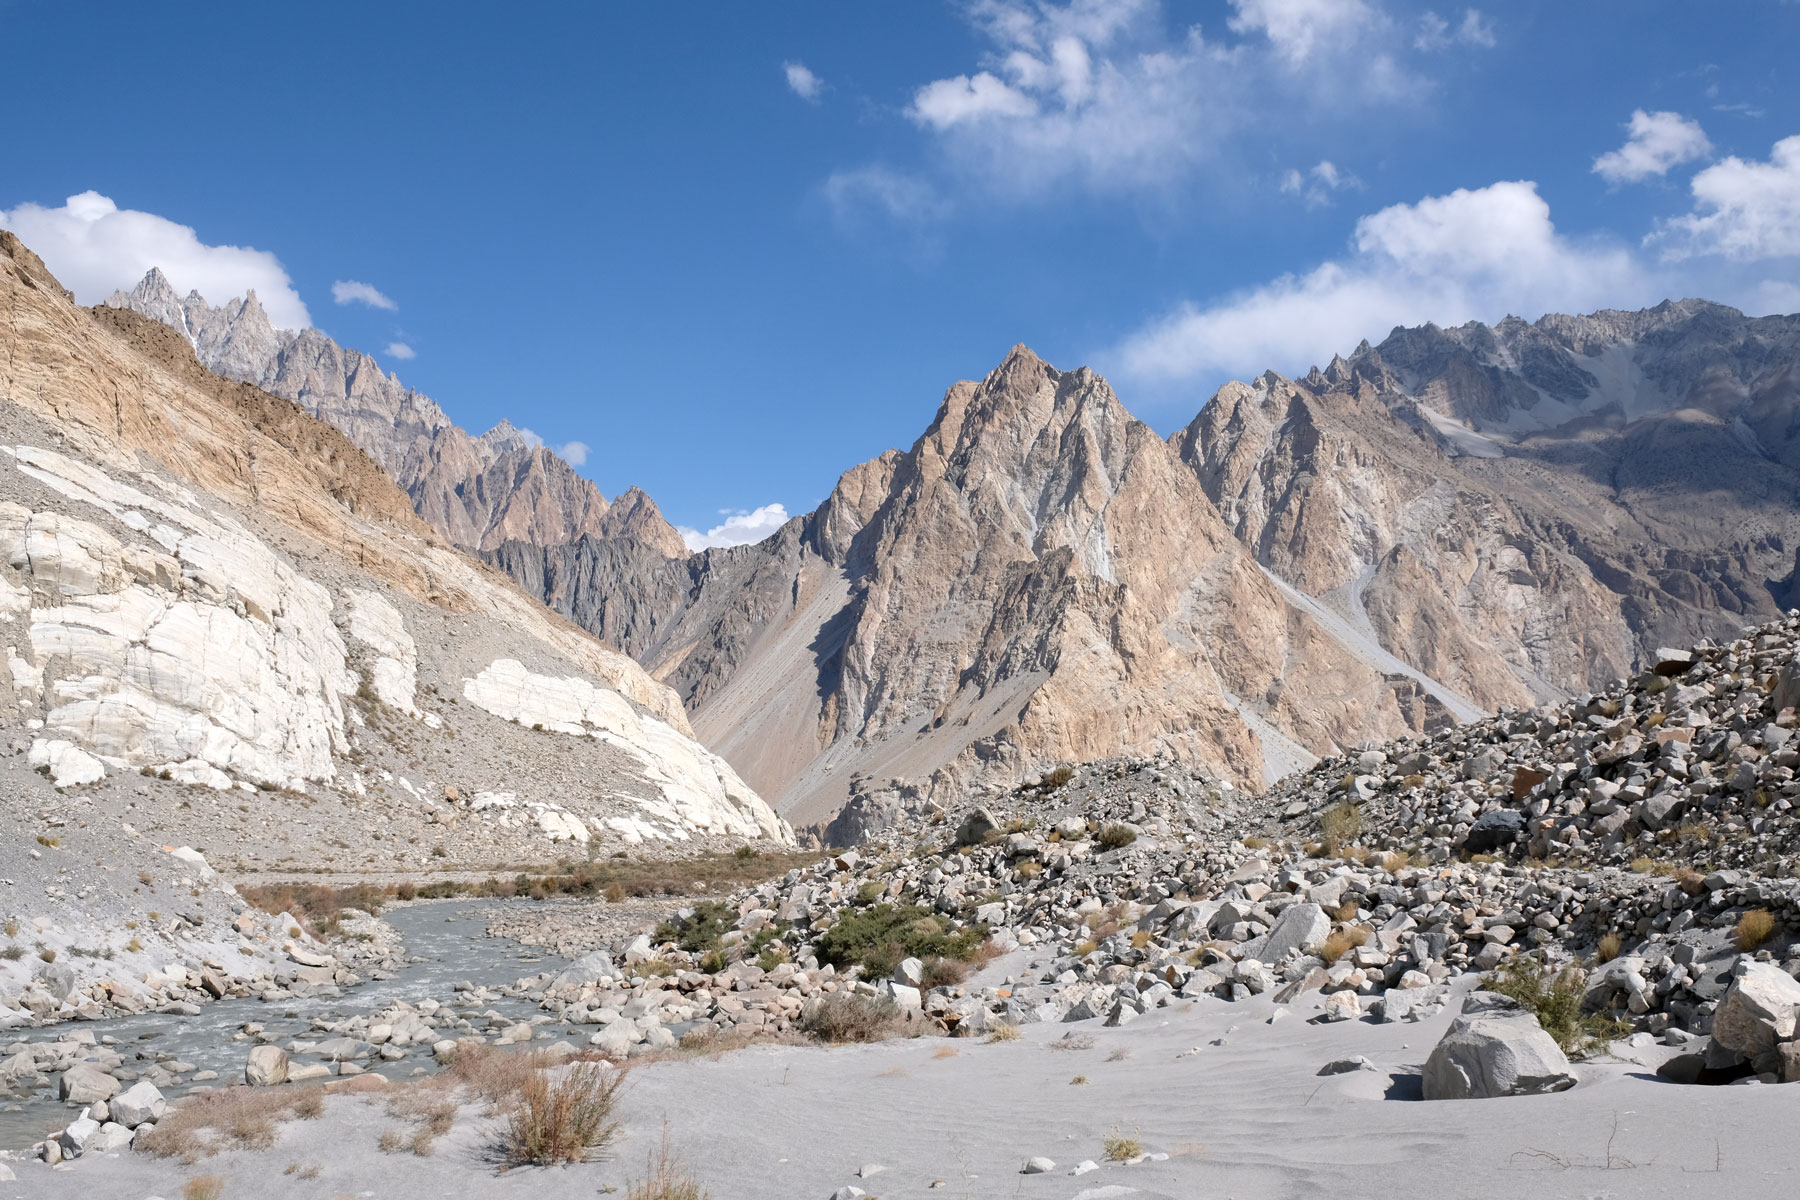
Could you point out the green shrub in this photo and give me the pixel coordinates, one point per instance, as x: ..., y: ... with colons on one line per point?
x: 878, y: 937
x: 700, y: 931
x: 1555, y: 998
x: 1057, y: 777
x: 843, y: 1017
x: 1339, y: 826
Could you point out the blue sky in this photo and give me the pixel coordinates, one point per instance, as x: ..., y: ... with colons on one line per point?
x: 733, y: 249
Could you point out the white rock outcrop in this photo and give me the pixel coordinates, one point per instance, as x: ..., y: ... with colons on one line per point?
x: 691, y: 788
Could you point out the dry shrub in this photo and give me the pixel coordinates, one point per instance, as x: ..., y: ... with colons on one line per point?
x: 1608, y: 949
x: 944, y: 1052
x: 1116, y: 836
x: 390, y: 1140
x: 1339, y: 825
x: 844, y: 1017
x: 1343, y: 941
x: 563, y: 1117
x: 1004, y: 1033
x: 943, y: 972
x: 233, y: 1118
x: 1255, y: 843
x: 203, y: 1187
x: 1347, y: 911
x: 1754, y: 928
x: 668, y: 1179
x: 1121, y: 1147
x: 1395, y: 861
x: 1073, y: 1041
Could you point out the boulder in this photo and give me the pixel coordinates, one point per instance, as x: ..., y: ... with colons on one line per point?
x: 136, y: 1104
x: 1302, y: 927
x: 589, y: 968
x: 85, y: 1083
x: 1496, y: 1052
x: 266, y: 1066
x: 1758, y: 1011
x: 1494, y: 830
x: 975, y: 828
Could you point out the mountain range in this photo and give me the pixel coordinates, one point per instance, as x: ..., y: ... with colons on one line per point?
x: 1446, y: 524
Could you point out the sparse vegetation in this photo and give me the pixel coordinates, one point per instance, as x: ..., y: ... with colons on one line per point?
x: 878, y: 936
x: 1115, y: 836
x: 1343, y: 941
x: 1339, y: 826
x: 1121, y: 1147
x: 1057, y: 777
x: 1554, y: 997
x: 203, y: 1187
x: 1004, y: 1033
x: 1608, y: 949
x: 13, y: 953
x: 233, y: 1118
x: 845, y: 1017
x: 1754, y: 928
x: 667, y: 1179
x: 558, y: 1117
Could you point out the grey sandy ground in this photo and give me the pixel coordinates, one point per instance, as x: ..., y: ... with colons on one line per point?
x: 1248, y: 1119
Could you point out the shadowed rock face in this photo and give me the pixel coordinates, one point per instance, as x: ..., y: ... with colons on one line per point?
x: 478, y: 491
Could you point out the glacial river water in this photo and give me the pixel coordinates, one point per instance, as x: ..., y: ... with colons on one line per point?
x: 450, y: 939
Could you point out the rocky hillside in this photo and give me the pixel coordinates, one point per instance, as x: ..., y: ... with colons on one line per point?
x: 477, y: 491
x: 227, y: 634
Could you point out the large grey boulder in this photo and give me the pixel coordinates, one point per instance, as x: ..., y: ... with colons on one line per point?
x: 1495, y: 1052
x: 136, y: 1104
x: 589, y: 968
x: 84, y: 1083
x: 1495, y: 830
x: 1759, y: 1010
x: 1301, y: 927
x: 267, y: 1065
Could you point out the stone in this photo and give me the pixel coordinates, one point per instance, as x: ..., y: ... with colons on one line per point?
x: 1342, y: 1006
x: 84, y: 1084
x: 111, y: 1137
x: 1037, y: 1166
x: 1345, y: 1066
x: 266, y: 1066
x: 1758, y: 1010
x: 1486, y: 1054
x: 1495, y: 831
x: 136, y: 1104
x: 1300, y: 928
x: 589, y: 968
x: 976, y: 827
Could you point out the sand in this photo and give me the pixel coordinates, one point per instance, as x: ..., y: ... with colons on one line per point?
x: 1247, y: 1119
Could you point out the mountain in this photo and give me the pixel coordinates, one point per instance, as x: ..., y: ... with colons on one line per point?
x: 1526, y: 511
x: 1039, y: 578
x: 225, y: 625
x: 1451, y: 523
x: 477, y: 491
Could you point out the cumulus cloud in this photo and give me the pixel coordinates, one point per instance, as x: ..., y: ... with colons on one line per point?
x: 401, y: 350
x: 574, y: 453
x: 1435, y: 33
x: 804, y: 83
x: 95, y: 247
x: 1317, y: 184
x: 1470, y: 255
x: 739, y: 528
x: 1107, y: 93
x: 1743, y: 211
x: 349, y: 291
x: 1655, y: 143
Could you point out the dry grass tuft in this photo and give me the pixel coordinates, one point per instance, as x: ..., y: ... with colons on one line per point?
x: 203, y: 1187
x: 563, y: 1117
x: 1396, y: 861
x: 668, y: 1179
x: 844, y: 1017
x: 1073, y: 1041
x: 1690, y: 881
x: 1343, y: 941
x: 944, y: 1052
x: 1608, y: 949
x: 1347, y: 911
x: 1004, y: 1033
x: 1121, y: 1147
x: 1754, y: 928
x: 1339, y: 826
x: 233, y: 1118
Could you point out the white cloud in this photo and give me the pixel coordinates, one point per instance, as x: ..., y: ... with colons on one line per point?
x: 806, y: 85
x: 1471, y: 255
x: 739, y: 528
x: 1435, y: 33
x: 897, y: 197
x: 401, y: 350
x: 349, y: 291
x: 574, y: 453
x: 1107, y: 93
x: 1656, y: 142
x: 1316, y: 186
x: 1296, y: 28
x: 95, y: 247
x: 1743, y: 211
